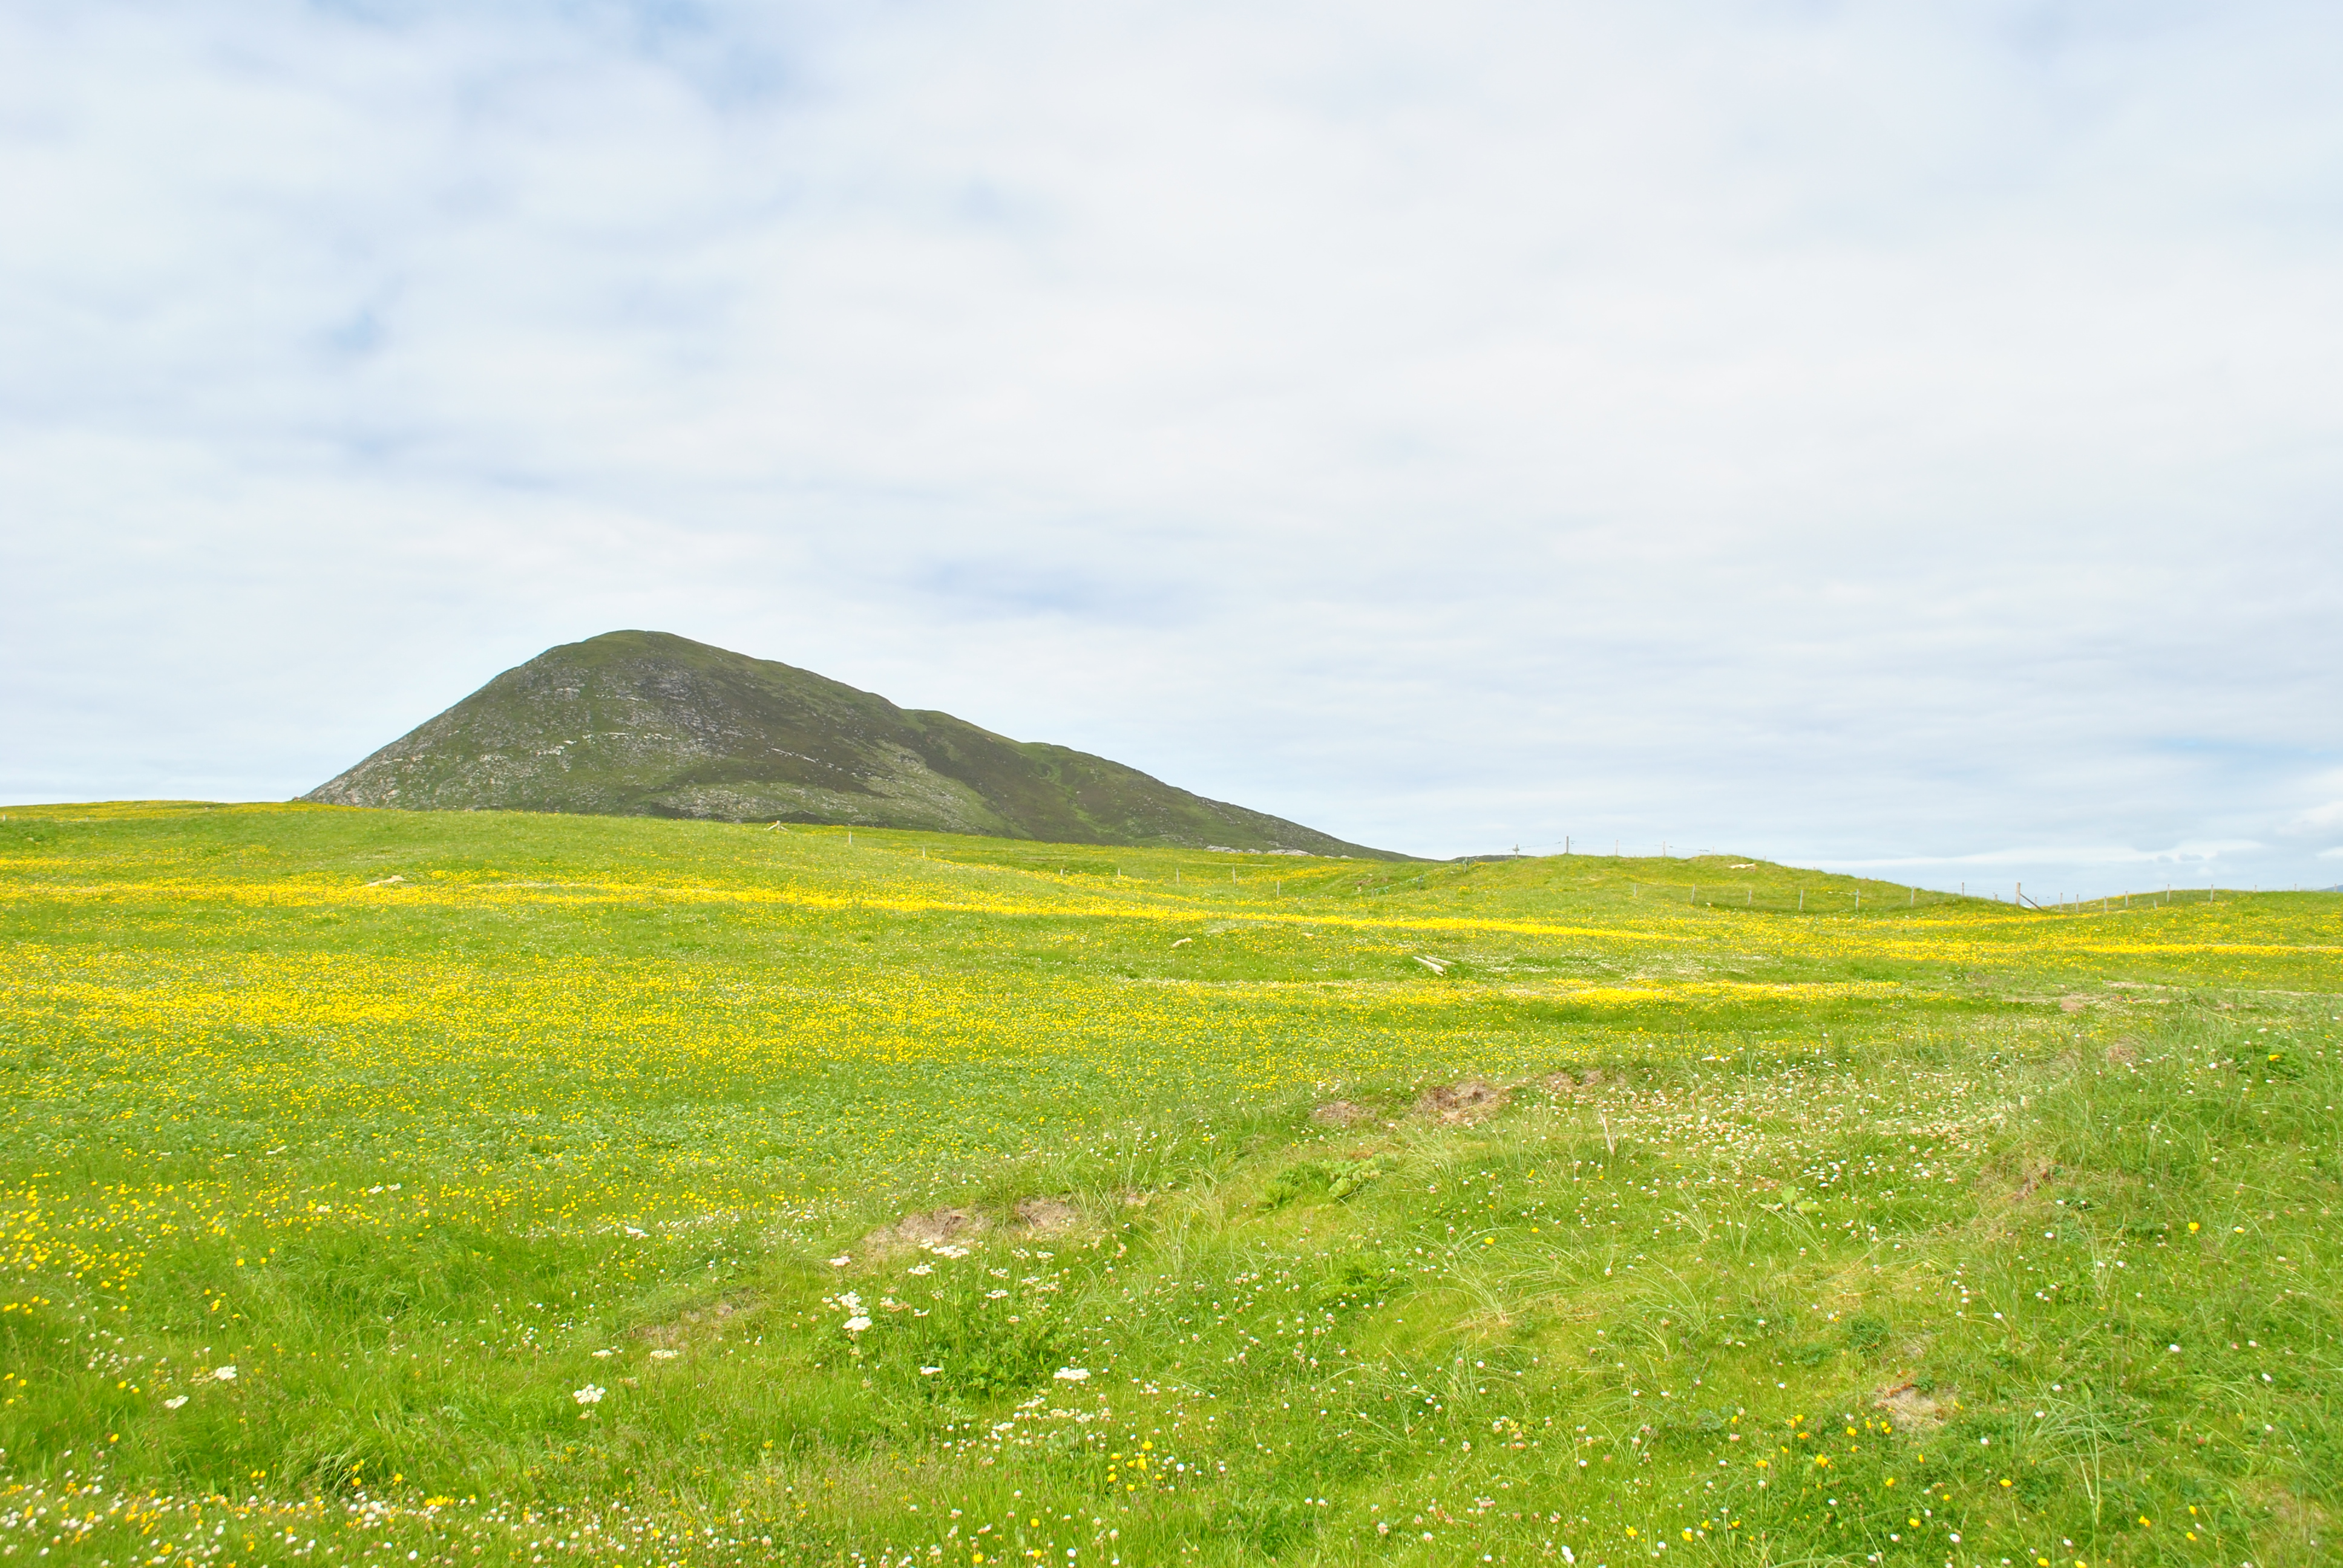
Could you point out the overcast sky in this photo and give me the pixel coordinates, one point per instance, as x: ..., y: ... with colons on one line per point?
x: 1907, y: 438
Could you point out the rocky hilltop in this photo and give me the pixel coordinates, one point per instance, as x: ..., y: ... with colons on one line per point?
x: 643, y: 723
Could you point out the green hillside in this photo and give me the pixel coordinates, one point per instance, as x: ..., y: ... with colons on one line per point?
x: 642, y: 723
x: 505, y: 1188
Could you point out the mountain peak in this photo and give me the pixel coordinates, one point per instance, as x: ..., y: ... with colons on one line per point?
x: 647, y: 723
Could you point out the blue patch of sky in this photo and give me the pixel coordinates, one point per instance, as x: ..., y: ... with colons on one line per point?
x: 1000, y: 588
x: 356, y: 336
x: 2254, y: 756
x: 730, y: 67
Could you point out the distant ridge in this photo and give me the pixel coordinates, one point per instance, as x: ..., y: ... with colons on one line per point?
x: 648, y: 724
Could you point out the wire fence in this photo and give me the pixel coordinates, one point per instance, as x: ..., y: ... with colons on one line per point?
x: 1838, y: 898
x: 1841, y: 899
x: 1798, y: 900
x: 1898, y: 899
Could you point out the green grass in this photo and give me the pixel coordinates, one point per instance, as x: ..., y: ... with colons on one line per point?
x: 1927, y: 1191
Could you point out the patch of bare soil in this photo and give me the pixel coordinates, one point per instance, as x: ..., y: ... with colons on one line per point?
x: 2292, y: 1511
x: 2122, y: 1051
x: 2035, y: 1177
x: 1913, y: 1410
x: 1047, y: 1214
x: 1339, y: 1113
x: 1571, y: 1080
x: 930, y: 1229
x: 683, y: 1325
x: 2071, y: 1004
x: 1460, y: 1104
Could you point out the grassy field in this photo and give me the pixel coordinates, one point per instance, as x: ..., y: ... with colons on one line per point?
x: 482, y: 1188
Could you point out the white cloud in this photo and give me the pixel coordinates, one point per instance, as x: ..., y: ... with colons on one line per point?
x: 1816, y: 433
x: 2319, y: 819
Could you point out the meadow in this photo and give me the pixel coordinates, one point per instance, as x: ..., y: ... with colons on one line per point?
x: 477, y: 1188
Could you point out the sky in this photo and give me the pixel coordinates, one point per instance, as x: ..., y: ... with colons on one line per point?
x: 1896, y: 438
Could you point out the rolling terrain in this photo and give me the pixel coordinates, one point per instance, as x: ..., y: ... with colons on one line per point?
x: 503, y: 1188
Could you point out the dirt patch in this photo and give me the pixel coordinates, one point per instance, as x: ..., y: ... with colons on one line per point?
x: 2033, y: 1184
x: 2071, y: 1004
x: 2122, y: 1053
x: 1047, y: 1214
x: 1913, y: 1410
x: 1460, y: 1104
x: 1570, y: 1080
x: 1339, y: 1113
x: 685, y: 1325
x: 2290, y: 1510
x: 931, y: 1229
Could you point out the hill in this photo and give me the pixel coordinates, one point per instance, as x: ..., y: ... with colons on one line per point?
x: 513, y: 1189
x: 646, y: 724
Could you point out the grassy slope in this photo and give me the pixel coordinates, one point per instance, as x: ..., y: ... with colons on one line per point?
x: 641, y: 723
x: 407, y: 1155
